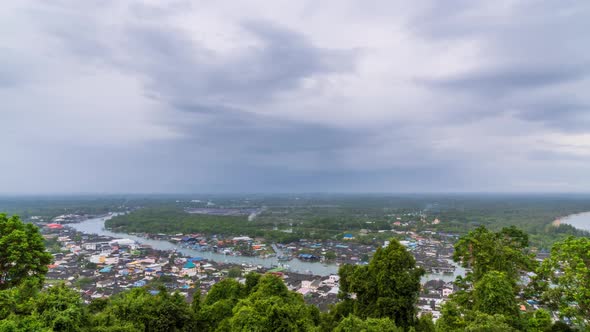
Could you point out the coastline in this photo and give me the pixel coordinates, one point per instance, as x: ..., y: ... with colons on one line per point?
x: 579, y: 220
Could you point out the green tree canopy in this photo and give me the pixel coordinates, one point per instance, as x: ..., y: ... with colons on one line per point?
x: 568, y: 270
x: 493, y: 295
x: 272, y: 307
x: 487, y: 298
x: 22, y: 253
x: 505, y: 251
x: 139, y: 309
x: 355, y: 324
x: 386, y: 288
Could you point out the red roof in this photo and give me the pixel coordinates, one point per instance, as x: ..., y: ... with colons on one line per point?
x: 55, y: 226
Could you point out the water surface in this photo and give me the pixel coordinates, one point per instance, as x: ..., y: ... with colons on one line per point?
x: 579, y: 221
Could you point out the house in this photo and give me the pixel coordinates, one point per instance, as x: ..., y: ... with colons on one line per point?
x: 311, y: 285
x: 348, y: 236
x: 306, y: 283
x: 304, y: 291
x: 447, y: 291
x: 189, y: 269
x: 315, y: 284
x: 105, y: 283
x: 308, y: 257
x: 332, y: 280
x: 106, y: 269
x: 155, y: 267
x: 139, y: 283
x: 122, y: 243
x: 242, y: 239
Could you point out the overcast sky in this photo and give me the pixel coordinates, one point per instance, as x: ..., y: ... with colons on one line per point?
x: 292, y: 96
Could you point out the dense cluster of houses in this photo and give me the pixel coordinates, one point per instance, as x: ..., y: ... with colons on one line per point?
x: 101, y: 266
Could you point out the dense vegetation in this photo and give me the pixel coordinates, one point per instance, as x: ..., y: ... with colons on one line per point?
x: 533, y: 214
x: 378, y: 297
x: 22, y: 253
x: 325, y: 217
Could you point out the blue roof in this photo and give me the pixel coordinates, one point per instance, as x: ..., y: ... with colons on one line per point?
x: 348, y: 235
x: 105, y: 269
x: 308, y: 256
x: 139, y: 283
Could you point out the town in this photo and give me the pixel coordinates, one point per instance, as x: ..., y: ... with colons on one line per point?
x: 100, y: 266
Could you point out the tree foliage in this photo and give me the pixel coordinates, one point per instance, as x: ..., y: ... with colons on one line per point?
x: 355, y: 324
x: 487, y: 296
x: 380, y: 296
x: 22, y: 253
x: 141, y: 310
x: 493, y: 294
x: 505, y: 251
x: 387, y: 287
x: 568, y: 271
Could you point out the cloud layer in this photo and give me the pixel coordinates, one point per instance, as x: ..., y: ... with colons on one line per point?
x: 138, y: 96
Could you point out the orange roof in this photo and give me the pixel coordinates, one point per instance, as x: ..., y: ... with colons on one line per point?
x: 55, y: 226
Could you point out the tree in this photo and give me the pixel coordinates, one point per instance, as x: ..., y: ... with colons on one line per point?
x: 386, y: 288
x: 568, y: 269
x: 234, y: 272
x: 425, y: 323
x: 252, y: 280
x: 481, y: 322
x: 272, y: 307
x: 141, y: 310
x: 505, y: 251
x: 540, y: 321
x: 486, y: 299
x: 22, y: 253
x: 452, y: 318
x: 355, y: 324
x: 217, y: 307
x: 330, y: 255
x: 61, y: 309
x: 493, y: 295
x: 226, y: 289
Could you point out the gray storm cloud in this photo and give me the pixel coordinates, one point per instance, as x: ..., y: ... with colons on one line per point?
x: 279, y: 96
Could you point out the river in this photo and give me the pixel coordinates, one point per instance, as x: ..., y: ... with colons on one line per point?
x: 579, y: 220
x: 96, y: 226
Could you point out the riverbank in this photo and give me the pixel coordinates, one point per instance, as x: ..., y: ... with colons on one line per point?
x: 96, y: 226
x: 579, y: 220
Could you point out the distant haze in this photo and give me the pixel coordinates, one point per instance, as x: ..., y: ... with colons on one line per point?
x: 294, y: 96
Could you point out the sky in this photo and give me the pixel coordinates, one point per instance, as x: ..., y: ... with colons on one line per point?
x: 110, y: 96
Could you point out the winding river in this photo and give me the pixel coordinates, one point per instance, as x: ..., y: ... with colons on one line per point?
x: 96, y: 226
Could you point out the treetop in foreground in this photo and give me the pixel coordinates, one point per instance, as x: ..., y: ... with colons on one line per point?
x: 22, y: 253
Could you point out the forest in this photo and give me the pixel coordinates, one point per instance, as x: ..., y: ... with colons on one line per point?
x: 328, y: 217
